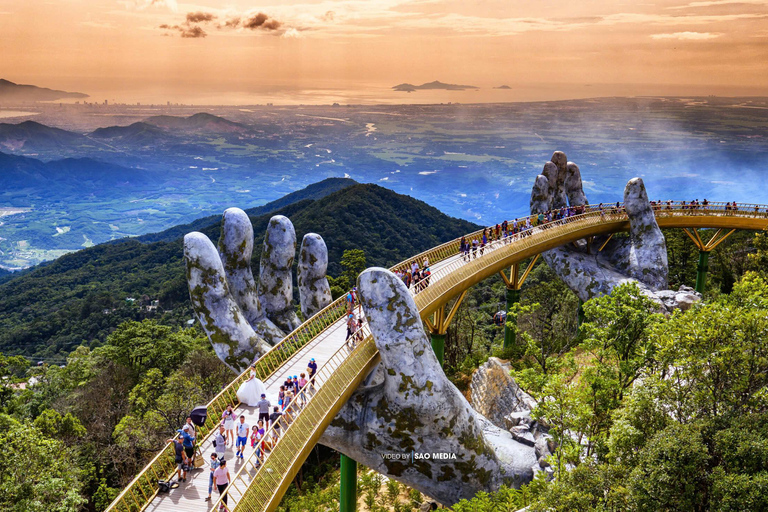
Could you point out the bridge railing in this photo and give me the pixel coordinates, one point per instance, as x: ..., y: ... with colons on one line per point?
x: 272, y: 464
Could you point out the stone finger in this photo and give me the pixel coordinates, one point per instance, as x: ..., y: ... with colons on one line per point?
x: 559, y: 198
x: 399, y: 335
x: 573, y: 186
x: 235, y: 249
x: 275, y: 273
x: 314, y: 290
x: 647, y: 259
x: 232, y: 337
x: 540, y: 197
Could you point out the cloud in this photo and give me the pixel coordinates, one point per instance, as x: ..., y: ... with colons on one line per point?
x: 143, y: 4
x: 261, y: 21
x: 714, y: 3
x: 186, y: 30
x: 688, y: 36
x: 200, y: 17
x: 193, y: 32
x: 231, y: 23
x: 292, y: 33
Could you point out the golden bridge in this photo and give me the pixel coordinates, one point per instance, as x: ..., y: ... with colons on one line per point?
x: 260, y: 481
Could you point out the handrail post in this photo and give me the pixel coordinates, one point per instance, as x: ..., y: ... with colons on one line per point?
x: 348, y: 485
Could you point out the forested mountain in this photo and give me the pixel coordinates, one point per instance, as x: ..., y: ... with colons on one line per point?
x: 81, y: 297
x: 314, y: 191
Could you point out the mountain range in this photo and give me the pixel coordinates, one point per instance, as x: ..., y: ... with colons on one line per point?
x: 47, y: 311
x: 10, y: 91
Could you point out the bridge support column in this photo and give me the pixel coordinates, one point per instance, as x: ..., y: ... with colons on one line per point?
x: 514, y: 283
x: 348, y: 487
x: 701, y: 271
x: 438, y: 345
x: 704, y: 250
x: 438, y: 326
x: 513, y: 297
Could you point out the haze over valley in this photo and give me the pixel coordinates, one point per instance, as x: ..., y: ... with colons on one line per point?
x: 86, y: 174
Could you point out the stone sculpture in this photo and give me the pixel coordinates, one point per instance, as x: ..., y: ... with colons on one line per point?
x: 243, y: 319
x: 640, y: 258
x: 408, y: 406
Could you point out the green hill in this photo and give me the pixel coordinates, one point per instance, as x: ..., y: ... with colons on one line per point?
x: 81, y: 297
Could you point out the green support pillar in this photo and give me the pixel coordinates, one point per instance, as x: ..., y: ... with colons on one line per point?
x: 438, y: 345
x: 513, y: 297
x: 701, y: 271
x: 348, y: 487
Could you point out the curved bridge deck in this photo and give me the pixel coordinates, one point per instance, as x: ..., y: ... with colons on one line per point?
x: 260, y: 481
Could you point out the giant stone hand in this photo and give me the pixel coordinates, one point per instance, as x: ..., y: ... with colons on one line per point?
x: 640, y: 258
x: 407, y: 405
x: 244, y: 319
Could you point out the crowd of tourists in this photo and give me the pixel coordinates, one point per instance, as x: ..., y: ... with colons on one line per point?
x: 234, y: 430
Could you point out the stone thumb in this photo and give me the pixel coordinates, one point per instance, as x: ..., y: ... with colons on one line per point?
x: 396, y: 326
x: 233, y: 339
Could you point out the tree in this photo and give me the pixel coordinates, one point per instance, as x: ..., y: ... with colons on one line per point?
x: 37, y: 473
x: 11, y: 368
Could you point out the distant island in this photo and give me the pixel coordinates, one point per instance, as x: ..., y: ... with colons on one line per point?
x: 503, y: 87
x: 432, y: 86
x: 10, y: 91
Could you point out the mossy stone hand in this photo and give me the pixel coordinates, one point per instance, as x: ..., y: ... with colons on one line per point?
x: 241, y: 317
x: 589, y: 272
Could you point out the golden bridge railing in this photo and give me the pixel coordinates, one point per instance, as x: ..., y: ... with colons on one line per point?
x: 263, y: 477
x: 140, y: 492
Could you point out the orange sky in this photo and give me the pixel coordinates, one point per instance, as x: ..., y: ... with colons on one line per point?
x: 717, y: 46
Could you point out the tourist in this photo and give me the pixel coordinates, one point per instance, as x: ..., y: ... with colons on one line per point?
x: 228, y: 417
x: 275, y: 419
x: 281, y: 396
x: 188, y: 444
x: 302, y: 385
x: 221, y: 478
x: 220, y: 442
x: 474, y: 248
x: 350, y: 302
x: 214, y: 462
x: 264, y: 406
x: 242, y: 437
x: 351, y: 324
x: 189, y: 427
x: 359, y: 335
x: 295, y: 386
x: 462, y: 246
x: 180, y: 459
x: 311, y: 368
x: 261, y: 443
x: 288, y: 405
x: 255, y: 435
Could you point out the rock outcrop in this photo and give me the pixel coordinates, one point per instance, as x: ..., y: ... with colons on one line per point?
x: 496, y: 395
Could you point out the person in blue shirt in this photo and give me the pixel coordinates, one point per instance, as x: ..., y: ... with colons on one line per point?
x: 188, y: 442
x: 242, y: 437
